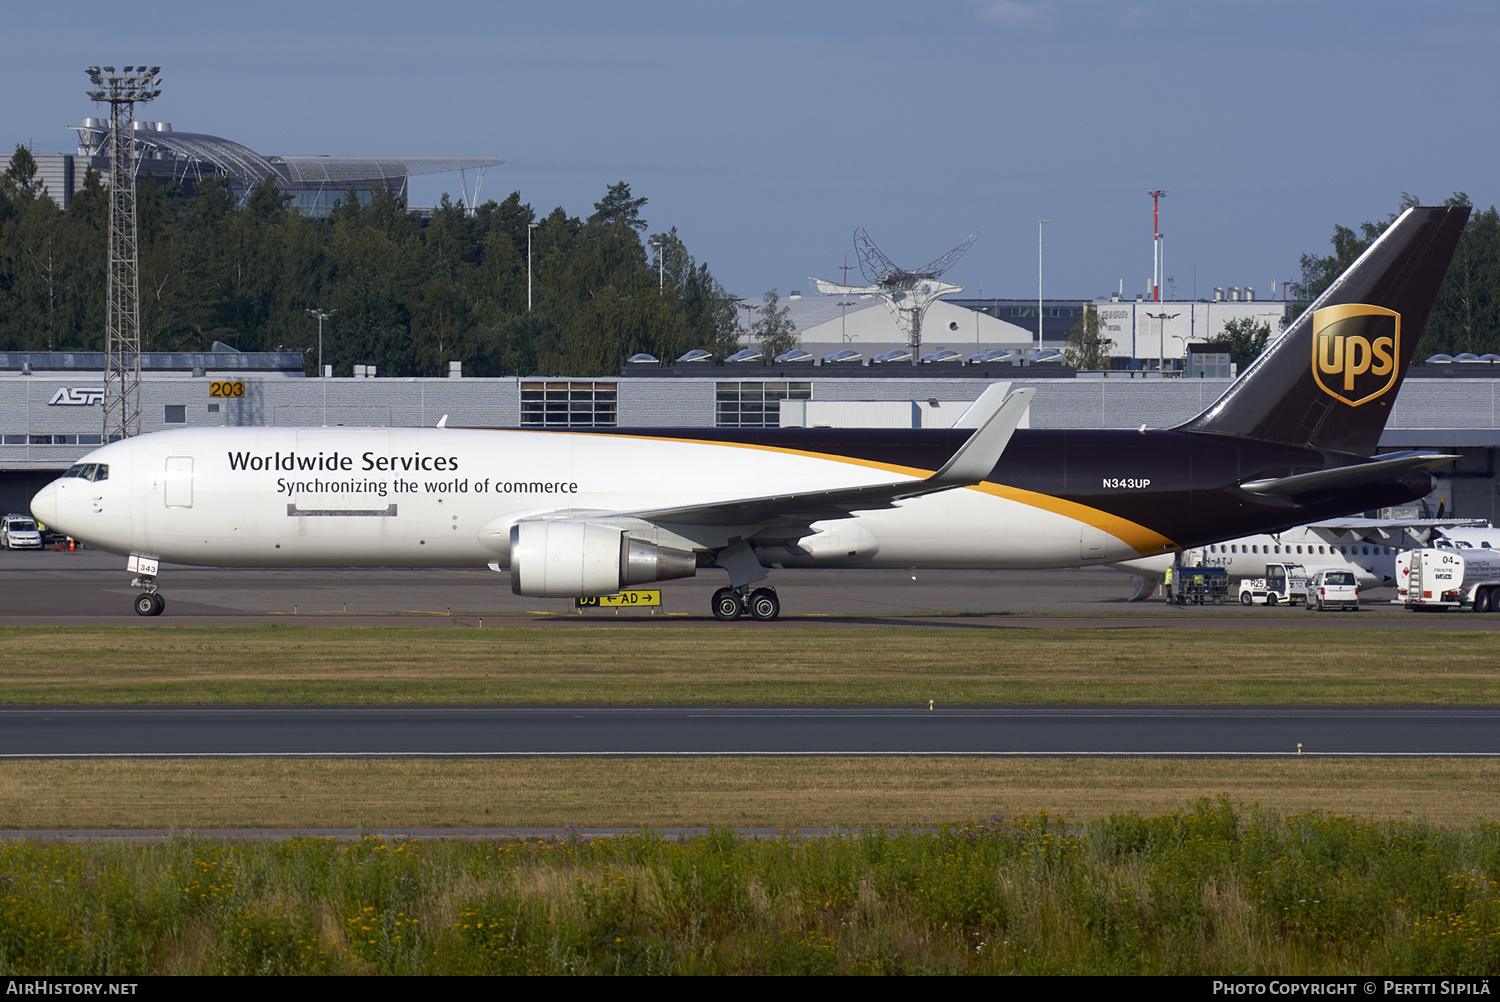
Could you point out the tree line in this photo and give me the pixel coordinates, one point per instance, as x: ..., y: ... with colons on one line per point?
x: 411, y: 293
x: 1466, y: 316
x: 414, y: 293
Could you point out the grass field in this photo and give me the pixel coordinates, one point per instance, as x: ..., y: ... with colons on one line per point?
x: 1284, y: 866
x: 1215, y: 888
x: 294, y: 665
x: 704, y: 792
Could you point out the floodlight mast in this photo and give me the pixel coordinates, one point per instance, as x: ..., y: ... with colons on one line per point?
x: 321, y: 316
x: 122, y: 328
x: 906, y: 293
x: 1157, y: 264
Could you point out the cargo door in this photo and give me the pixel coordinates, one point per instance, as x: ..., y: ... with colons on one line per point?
x: 179, y: 492
x: 1092, y: 548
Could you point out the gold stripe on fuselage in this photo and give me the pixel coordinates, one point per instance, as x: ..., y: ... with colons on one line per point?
x: 1144, y: 541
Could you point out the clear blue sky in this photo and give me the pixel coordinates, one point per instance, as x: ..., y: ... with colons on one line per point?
x: 767, y: 131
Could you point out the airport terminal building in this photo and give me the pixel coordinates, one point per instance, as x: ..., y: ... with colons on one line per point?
x: 51, y: 413
x: 315, y: 183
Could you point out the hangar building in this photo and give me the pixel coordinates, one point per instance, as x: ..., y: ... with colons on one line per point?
x: 826, y: 324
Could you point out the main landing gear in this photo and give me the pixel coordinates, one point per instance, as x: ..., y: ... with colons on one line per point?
x: 744, y: 569
x: 762, y: 604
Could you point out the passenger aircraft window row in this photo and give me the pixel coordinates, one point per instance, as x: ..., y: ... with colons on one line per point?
x: 576, y: 403
x: 1311, y: 550
x: 755, y: 405
x: 51, y: 439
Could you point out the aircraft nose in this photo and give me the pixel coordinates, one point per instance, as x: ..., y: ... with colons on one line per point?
x: 44, y: 505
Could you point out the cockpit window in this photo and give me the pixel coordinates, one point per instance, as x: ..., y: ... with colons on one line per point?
x: 88, y: 471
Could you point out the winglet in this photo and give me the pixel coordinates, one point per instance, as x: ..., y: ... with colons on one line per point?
x: 443, y: 421
x: 977, y: 457
x: 987, y: 403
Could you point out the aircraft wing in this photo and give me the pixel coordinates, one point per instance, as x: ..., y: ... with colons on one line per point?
x: 974, y: 461
x: 1388, y: 531
x: 1385, y: 468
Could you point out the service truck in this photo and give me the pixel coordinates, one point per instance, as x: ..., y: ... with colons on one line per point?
x: 1449, y: 579
x: 1282, y: 583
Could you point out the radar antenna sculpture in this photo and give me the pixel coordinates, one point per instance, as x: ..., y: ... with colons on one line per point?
x: 907, y: 293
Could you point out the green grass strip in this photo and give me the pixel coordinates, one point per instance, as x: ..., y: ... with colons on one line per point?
x: 383, y: 666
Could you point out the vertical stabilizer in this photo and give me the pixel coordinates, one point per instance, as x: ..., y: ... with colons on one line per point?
x: 1330, y: 380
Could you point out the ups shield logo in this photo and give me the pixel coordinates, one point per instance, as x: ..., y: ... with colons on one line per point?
x: 1354, y: 351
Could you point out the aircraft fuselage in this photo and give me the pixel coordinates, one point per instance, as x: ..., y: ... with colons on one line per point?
x: 448, y: 497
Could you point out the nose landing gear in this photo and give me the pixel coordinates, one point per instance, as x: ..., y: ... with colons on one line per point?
x: 149, y: 603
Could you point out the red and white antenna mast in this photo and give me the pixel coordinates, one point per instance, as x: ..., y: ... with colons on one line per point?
x: 1156, y: 256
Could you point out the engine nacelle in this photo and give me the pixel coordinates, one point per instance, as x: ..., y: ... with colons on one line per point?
x: 565, y: 559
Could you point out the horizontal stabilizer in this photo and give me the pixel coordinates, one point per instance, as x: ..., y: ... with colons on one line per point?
x: 1388, y: 467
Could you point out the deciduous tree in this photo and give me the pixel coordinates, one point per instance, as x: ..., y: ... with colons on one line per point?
x: 773, y: 329
x: 1087, y: 347
x: 1244, y: 338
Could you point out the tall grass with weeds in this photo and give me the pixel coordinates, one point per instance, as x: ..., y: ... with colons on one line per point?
x: 1215, y: 888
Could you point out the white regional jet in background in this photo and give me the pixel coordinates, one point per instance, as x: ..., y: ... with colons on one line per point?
x: 587, y: 513
x: 1366, y: 546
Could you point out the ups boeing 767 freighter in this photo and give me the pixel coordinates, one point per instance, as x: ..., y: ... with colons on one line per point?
x: 588, y: 513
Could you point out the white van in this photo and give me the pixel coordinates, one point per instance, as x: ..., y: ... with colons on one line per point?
x: 1331, y: 589
x: 19, y: 532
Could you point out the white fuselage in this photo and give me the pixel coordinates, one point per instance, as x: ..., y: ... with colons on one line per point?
x: 448, y: 497
x: 1247, y: 556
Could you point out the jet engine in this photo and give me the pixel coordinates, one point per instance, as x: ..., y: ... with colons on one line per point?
x: 564, y: 559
